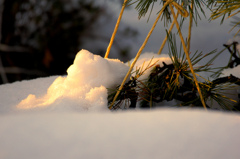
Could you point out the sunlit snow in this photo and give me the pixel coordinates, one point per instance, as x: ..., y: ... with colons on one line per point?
x: 52, y: 118
x: 85, y: 84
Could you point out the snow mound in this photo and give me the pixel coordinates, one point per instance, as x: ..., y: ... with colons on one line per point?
x: 85, y: 86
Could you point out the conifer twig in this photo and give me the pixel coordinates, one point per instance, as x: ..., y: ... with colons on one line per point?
x: 188, y: 57
x: 139, y: 52
x: 115, y: 29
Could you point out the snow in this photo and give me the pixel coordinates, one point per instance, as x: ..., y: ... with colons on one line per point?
x: 86, y: 83
x: 235, y: 39
x: 148, y: 59
x: 231, y: 71
x: 67, y: 117
x: 162, y: 133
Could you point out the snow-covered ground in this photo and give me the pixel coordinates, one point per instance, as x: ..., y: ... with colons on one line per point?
x: 67, y: 117
x: 163, y: 133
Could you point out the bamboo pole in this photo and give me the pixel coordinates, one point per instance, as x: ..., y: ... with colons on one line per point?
x: 139, y: 53
x: 188, y: 58
x: 115, y: 29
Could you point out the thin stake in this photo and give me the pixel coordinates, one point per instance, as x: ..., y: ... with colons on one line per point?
x: 139, y: 53
x: 188, y: 58
x: 165, y: 39
x: 190, y: 28
x: 115, y: 29
x: 183, y: 12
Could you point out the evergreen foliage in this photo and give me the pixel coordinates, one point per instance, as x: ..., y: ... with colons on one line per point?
x: 226, y: 9
x: 176, y: 81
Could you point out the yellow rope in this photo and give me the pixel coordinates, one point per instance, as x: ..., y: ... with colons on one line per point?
x: 188, y: 58
x: 115, y: 30
x: 139, y: 53
x: 165, y: 39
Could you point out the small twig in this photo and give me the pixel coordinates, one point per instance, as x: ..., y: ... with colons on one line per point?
x: 230, y: 79
x: 233, y: 54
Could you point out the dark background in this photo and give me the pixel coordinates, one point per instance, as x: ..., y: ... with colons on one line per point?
x: 41, y: 38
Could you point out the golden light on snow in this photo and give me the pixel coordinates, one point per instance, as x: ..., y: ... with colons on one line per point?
x: 54, y: 92
x: 32, y: 102
x: 87, y: 82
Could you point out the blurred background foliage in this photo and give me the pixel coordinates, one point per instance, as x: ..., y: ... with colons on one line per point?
x: 41, y: 37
